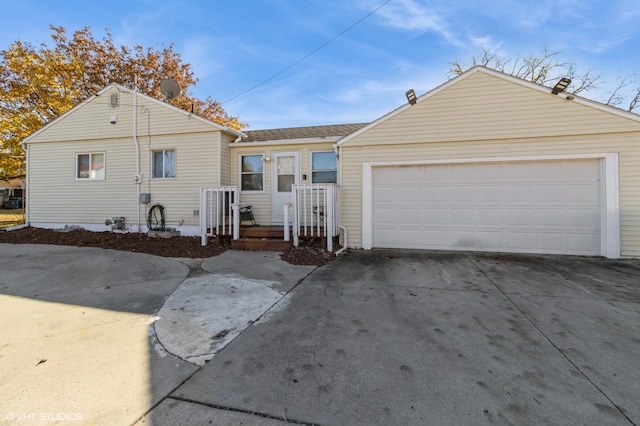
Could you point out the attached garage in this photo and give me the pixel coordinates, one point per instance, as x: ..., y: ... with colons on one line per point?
x: 509, y: 206
x: 490, y: 162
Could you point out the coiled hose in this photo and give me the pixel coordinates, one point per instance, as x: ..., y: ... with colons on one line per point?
x: 155, y: 218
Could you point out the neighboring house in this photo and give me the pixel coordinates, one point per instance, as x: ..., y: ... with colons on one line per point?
x: 11, y: 193
x: 484, y: 162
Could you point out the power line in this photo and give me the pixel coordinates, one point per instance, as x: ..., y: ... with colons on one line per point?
x: 308, y: 54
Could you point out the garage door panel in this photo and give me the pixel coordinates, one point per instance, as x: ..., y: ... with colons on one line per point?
x: 549, y: 242
x: 389, y: 237
x: 462, y: 193
x: 489, y: 216
x: 535, y: 206
x: 520, y: 241
x: 439, y: 238
x: 584, y: 193
x: 549, y: 193
x: 437, y: 216
x: 550, y: 217
x: 518, y: 193
x: 386, y: 176
x: 410, y: 216
x: 434, y: 193
x: 489, y: 193
x: 462, y: 216
x: 582, y: 218
x: 517, y: 217
x: 582, y: 242
x: 438, y: 172
x: 493, y: 240
x: 386, y: 215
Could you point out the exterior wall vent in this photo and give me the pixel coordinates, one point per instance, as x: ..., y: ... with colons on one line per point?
x: 114, y: 100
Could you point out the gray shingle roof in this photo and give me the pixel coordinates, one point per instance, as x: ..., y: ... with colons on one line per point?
x: 334, y: 130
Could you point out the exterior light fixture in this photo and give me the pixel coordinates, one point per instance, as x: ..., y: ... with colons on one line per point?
x: 561, y: 85
x: 411, y: 96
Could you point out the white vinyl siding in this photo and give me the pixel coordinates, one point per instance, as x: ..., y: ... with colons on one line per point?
x: 93, y: 119
x: 56, y: 197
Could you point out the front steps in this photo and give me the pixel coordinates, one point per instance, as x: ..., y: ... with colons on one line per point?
x: 261, y: 238
x: 260, y: 244
x: 271, y: 238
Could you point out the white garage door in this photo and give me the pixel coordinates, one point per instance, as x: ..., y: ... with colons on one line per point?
x: 516, y: 206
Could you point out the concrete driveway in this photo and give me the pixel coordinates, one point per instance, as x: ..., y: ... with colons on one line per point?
x: 400, y: 337
x: 380, y: 337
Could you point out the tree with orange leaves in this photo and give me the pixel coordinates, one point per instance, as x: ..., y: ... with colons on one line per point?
x: 38, y: 84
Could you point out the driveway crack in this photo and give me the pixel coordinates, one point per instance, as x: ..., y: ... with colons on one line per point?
x: 547, y: 338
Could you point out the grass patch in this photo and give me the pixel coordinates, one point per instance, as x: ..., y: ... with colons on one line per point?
x: 11, y: 217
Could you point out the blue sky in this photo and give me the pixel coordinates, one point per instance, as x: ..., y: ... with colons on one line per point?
x: 361, y: 75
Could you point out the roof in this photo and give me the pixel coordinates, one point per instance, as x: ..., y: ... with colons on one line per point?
x: 13, y: 183
x: 310, y: 132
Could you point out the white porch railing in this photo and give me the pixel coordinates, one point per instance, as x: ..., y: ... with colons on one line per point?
x: 316, y: 211
x: 219, y: 212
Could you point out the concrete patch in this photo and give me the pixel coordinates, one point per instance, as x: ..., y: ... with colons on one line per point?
x: 206, y: 313
x: 261, y: 265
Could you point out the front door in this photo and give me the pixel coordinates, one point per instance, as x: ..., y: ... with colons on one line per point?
x: 286, y: 172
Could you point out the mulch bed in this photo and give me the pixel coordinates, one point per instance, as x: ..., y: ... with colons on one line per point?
x: 189, y: 247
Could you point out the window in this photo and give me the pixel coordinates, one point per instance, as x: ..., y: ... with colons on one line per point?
x: 324, y: 167
x: 90, y: 166
x: 164, y: 164
x: 252, y: 175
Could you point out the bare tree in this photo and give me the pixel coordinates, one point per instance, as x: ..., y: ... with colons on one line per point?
x: 546, y: 68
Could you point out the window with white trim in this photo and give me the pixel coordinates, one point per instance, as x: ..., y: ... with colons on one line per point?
x: 324, y: 167
x: 163, y: 164
x: 90, y: 166
x: 251, y: 173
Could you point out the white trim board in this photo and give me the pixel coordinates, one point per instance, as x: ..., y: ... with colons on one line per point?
x: 610, y: 226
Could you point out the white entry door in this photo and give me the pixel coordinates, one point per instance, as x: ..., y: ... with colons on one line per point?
x: 286, y: 172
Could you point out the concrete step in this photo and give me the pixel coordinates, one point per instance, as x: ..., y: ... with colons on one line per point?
x: 260, y: 244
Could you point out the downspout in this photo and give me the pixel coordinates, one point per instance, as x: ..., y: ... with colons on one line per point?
x: 26, y: 202
x: 220, y: 142
x: 137, y: 178
x: 345, y: 244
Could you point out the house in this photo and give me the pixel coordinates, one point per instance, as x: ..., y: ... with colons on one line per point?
x: 486, y: 162
x: 87, y: 167
x: 11, y: 193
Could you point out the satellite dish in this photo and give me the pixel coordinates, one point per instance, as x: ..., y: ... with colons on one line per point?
x: 170, y: 89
